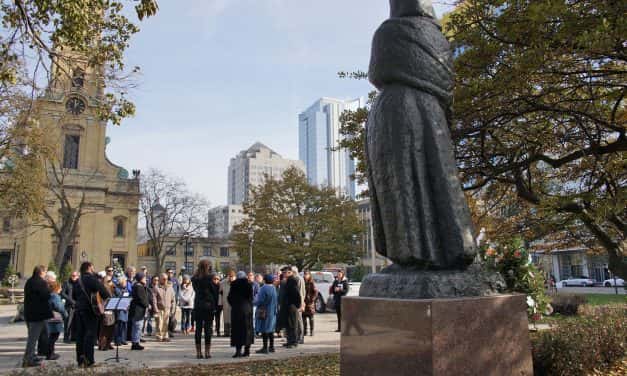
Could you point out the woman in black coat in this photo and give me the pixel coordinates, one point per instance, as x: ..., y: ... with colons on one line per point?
x: 137, y: 312
x: 241, y: 300
x: 205, y: 305
x: 36, y: 312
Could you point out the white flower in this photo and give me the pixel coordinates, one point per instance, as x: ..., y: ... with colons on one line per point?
x: 530, y: 301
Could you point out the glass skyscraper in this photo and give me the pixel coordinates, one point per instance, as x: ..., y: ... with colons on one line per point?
x: 318, y: 135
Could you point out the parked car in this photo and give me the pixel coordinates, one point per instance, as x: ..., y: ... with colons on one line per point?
x: 323, y: 281
x: 577, y: 281
x: 610, y: 282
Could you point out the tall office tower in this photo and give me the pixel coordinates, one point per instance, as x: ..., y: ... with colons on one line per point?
x: 318, y: 135
x: 249, y: 167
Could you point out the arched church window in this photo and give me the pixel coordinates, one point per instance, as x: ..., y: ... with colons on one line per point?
x: 78, y: 78
x: 70, y: 151
x: 119, y: 228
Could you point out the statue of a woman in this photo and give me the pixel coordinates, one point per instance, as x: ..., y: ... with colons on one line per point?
x: 420, y: 215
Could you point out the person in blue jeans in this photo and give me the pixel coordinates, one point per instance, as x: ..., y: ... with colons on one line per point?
x: 121, y: 320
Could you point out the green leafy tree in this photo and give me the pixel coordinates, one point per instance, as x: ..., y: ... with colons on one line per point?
x: 540, y: 116
x: 539, y: 119
x: 297, y: 223
x: 52, y: 266
x: 66, y: 271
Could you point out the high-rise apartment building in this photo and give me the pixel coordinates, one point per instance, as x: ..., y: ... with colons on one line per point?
x: 222, y: 219
x: 318, y: 136
x: 249, y: 168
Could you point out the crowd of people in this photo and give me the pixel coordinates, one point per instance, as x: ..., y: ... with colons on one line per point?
x: 242, y: 306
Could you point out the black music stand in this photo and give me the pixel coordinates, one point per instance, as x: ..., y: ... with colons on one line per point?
x: 116, y: 305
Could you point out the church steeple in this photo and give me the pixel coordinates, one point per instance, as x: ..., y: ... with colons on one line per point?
x: 71, y: 73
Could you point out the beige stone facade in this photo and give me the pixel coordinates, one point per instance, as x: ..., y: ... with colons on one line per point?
x: 218, y: 250
x: 108, y: 227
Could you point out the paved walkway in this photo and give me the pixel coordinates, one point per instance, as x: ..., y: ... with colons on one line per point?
x: 157, y: 355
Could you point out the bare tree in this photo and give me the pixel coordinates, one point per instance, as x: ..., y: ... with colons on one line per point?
x: 169, y: 210
x: 65, y: 207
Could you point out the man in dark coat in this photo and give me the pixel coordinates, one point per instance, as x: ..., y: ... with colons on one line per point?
x: 67, y: 293
x: 85, y: 317
x: 241, y: 300
x: 137, y: 312
x: 36, y: 312
x: 339, y: 289
x: 289, y: 307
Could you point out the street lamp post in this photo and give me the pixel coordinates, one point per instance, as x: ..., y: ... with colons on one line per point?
x: 186, y: 236
x: 251, y: 240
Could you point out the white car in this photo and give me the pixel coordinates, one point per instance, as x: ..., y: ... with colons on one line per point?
x: 323, y: 281
x: 610, y: 282
x: 577, y: 281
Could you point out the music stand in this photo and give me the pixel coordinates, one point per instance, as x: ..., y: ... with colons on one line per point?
x: 116, y: 305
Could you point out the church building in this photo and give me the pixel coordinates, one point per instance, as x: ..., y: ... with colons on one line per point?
x: 107, y: 229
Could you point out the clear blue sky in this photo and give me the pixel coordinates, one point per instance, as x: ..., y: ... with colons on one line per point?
x: 218, y: 75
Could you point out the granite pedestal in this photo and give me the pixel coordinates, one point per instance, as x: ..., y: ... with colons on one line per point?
x: 440, y: 337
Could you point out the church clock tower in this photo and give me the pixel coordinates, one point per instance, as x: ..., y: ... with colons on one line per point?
x: 107, y: 230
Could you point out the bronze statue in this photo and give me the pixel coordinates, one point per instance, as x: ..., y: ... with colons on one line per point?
x: 420, y: 215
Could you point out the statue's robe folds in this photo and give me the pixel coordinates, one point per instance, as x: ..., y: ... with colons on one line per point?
x: 420, y: 215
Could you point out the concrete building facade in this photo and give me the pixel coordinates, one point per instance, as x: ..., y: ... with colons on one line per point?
x: 222, y: 219
x: 249, y: 168
x: 565, y: 263
x: 108, y: 227
x: 369, y: 257
x: 218, y: 250
x: 318, y: 136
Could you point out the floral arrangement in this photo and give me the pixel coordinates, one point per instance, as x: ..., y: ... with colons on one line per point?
x: 512, y: 261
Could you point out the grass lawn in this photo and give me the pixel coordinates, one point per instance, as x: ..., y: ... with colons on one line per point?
x: 323, y: 364
x: 603, y: 299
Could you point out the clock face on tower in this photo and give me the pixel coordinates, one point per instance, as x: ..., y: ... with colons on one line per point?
x: 75, y: 106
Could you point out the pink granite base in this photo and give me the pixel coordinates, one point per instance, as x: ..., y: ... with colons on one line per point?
x: 439, y: 337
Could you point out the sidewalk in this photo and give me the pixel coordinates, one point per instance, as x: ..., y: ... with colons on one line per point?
x: 157, y: 355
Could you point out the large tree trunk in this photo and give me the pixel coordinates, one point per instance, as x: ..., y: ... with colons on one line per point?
x: 160, y: 256
x: 62, y: 243
x: 615, y: 248
x: 617, y: 262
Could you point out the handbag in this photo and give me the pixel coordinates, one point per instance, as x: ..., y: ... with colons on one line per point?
x: 95, y: 300
x: 172, y: 325
x: 56, y: 317
x: 261, y: 313
x: 108, y: 318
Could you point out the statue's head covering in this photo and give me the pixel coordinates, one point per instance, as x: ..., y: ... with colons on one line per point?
x: 411, y: 8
